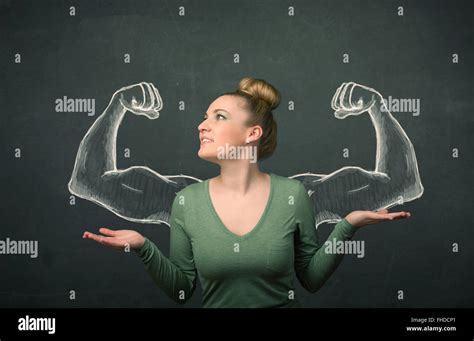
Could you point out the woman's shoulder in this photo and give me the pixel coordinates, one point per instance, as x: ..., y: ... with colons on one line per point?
x: 287, y: 184
x: 192, y: 189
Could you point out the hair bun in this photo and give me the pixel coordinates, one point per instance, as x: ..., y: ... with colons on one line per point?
x: 260, y: 89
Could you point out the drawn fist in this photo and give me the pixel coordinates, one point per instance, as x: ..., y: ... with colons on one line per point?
x: 344, y: 103
x: 141, y: 99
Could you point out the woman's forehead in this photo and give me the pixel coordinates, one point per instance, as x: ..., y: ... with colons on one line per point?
x: 232, y: 104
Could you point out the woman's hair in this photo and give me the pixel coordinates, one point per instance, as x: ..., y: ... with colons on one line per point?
x: 260, y: 99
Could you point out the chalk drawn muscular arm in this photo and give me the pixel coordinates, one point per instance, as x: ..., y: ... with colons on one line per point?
x: 137, y: 193
x: 395, y: 179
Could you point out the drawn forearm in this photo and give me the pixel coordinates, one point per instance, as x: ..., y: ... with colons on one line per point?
x: 395, y: 155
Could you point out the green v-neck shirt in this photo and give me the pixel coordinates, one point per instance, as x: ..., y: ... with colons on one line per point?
x: 255, y: 270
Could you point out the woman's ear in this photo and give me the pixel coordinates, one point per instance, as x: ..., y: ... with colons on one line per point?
x: 255, y: 133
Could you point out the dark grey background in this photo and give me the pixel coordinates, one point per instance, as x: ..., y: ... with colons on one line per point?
x: 191, y: 58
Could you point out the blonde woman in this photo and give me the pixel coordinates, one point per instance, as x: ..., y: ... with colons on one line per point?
x: 245, y: 234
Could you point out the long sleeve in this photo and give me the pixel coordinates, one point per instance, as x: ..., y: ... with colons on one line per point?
x: 313, y: 265
x: 175, y: 275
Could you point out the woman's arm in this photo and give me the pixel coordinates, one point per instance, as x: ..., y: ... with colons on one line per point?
x: 395, y: 179
x: 138, y: 193
x: 313, y: 266
x: 314, y: 262
x: 175, y: 275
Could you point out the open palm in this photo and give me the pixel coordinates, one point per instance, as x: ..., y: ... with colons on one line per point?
x: 117, y: 239
x: 362, y: 218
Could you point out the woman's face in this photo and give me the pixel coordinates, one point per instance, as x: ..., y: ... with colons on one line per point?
x: 224, y: 122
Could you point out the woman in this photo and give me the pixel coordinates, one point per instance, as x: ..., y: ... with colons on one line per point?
x: 245, y: 234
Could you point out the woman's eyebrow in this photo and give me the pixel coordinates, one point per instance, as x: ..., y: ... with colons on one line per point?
x: 216, y: 110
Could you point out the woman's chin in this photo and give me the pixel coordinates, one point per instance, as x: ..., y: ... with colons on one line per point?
x: 207, y: 156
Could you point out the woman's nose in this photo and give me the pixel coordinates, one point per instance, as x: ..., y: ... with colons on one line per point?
x: 203, y: 126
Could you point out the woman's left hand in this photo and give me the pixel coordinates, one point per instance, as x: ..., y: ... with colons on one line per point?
x: 362, y: 218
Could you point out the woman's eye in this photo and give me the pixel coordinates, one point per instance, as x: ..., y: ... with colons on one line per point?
x: 219, y: 116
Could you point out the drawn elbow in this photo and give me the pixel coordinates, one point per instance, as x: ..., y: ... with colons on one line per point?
x: 78, y: 188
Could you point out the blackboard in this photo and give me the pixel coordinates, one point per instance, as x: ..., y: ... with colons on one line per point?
x: 55, y: 50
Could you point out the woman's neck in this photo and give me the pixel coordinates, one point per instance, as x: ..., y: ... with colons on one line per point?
x: 239, y: 179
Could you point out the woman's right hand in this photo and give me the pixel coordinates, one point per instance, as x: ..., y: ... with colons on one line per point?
x: 117, y: 239
x: 141, y: 99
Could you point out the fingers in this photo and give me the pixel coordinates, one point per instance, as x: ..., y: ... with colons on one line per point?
x: 342, y: 99
x: 345, y: 98
x: 103, y: 230
x: 358, y: 104
x: 108, y: 232
x: 151, y: 97
x: 108, y: 241
x: 335, y: 98
x: 159, y: 101
x: 143, y: 102
x: 145, y: 96
x: 152, y: 101
x: 392, y: 216
x: 92, y: 236
x: 401, y: 215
